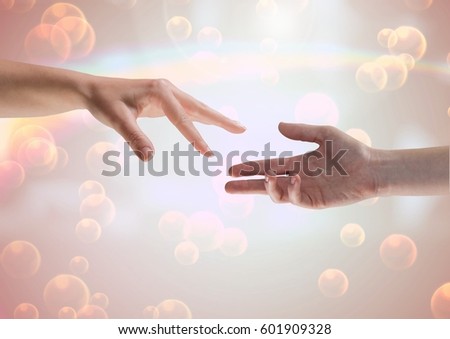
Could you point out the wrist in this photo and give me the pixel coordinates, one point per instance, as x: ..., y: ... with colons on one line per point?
x: 382, y: 166
x: 84, y: 86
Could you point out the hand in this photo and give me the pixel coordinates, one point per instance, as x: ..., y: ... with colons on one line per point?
x: 119, y: 102
x: 314, y: 179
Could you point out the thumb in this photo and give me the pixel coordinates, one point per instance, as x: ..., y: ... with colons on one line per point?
x: 138, y: 141
x: 303, y: 132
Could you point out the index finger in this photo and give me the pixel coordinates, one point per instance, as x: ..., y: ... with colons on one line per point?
x: 205, y: 114
x: 280, y: 166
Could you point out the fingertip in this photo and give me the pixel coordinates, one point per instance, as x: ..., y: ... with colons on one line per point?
x: 284, y: 124
x: 235, y: 127
x: 240, y: 126
x: 241, y: 130
x: 235, y: 171
x: 151, y: 154
x: 282, y: 127
x: 203, y: 148
x: 230, y: 171
x: 145, y: 154
x: 233, y: 187
x: 228, y: 187
x: 209, y: 154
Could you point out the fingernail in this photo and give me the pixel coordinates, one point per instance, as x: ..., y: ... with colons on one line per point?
x: 239, y: 124
x: 209, y: 153
x: 146, y: 154
x: 293, y: 180
x: 266, y: 179
x: 271, y: 173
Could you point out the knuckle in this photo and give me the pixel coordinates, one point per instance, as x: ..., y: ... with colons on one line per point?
x: 196, y: 108
x: 319, y: 205
x: 181, y: 120
x: 202, y: 106
x: 134, y: 138
x: 294, y: 199
x: 276, y: 198
x: 287, y: 163
x: 327, y: 130
x: 161, y: 85
x: 295, y: 202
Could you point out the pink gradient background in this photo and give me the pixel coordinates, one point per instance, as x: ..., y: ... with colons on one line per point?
x: 283, y: 250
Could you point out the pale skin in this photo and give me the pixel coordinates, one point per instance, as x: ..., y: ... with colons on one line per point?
x: 31, y: 90
x: 370, y: 172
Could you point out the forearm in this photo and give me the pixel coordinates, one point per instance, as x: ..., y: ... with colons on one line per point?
x: 412, y: 172
x: 30, y: 90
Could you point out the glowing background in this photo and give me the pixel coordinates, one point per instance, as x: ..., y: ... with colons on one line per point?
x: 76, y: 244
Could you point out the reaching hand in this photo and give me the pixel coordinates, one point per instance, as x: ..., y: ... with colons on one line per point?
x: 338, y: 172
x: 119, y: 102
x: 30, y: 90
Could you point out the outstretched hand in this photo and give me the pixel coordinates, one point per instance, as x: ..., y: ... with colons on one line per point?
x: 338, y: 172
x: 119, y: 102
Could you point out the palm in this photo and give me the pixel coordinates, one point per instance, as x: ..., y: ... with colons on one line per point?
x: 317, y: 182
x: 336, y: 188
x: 119, y: 102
